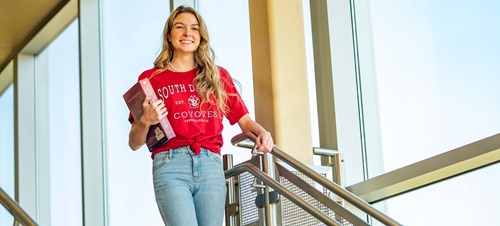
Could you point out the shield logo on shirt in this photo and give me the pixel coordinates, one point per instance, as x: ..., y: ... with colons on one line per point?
x: 194, y: 101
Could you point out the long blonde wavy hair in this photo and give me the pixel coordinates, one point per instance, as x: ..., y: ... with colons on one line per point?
x: 207, y: 80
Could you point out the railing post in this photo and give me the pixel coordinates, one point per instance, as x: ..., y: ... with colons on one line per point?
x: 270, y: 208
x: 335, y: 161
x: 241, y: 141
x: 232, y: 209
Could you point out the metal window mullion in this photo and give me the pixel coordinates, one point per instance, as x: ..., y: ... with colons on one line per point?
x: 344, y: 88
x: 359, y: 93
x: 367, y: 91
x: 42, y: 138
x: 25, y: 134
x: 323, y: 77
x: 92, y: 114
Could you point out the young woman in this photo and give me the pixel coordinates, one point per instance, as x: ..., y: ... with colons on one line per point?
x: 194, y: 94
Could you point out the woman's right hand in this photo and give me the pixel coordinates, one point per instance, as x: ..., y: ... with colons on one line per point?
x: 153, y: 112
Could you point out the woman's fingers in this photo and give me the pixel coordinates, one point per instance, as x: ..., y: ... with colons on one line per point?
x: 265, y: 142
x: 154, y: 112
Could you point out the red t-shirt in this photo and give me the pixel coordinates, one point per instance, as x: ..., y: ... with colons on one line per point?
x: 195, y: 124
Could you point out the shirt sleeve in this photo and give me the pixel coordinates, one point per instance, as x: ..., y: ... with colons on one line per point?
x: 236, y: 108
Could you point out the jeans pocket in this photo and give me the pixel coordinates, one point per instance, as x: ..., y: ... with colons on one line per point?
x: 216, y: 157
x: 159, y: 160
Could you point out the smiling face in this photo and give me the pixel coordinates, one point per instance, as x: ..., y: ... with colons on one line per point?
x: 185, y: 34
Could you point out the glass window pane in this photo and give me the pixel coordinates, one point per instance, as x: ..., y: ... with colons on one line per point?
x: 470, y: 199
x: 7, y: 150
x: 437, y: 72
x: 64, y: 128
x: 130, y: 45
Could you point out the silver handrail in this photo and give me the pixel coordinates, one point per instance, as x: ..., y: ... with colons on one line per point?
x: 341, y: 192
x: 246, y: 167
x: 19, y: 214
x: 334, y: 160
x: 429, y: 171
x: 339, y: 210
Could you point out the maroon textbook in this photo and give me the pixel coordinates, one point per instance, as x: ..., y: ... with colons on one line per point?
x: 158, y: 134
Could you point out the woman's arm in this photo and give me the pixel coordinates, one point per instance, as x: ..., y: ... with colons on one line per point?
x: 264, y: 139
x: 153, y: 113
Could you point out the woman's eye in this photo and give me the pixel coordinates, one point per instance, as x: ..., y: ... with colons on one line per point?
x: 195, y: 28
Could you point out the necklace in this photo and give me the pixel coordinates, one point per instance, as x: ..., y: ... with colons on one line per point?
x: 173, y: 68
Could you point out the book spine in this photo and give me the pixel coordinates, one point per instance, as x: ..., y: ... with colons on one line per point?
x: 167, y: 128
x: 148, y: 89
x: 164, y: 123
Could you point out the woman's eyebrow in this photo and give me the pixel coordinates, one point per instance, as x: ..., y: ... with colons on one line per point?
x: 184, y: 24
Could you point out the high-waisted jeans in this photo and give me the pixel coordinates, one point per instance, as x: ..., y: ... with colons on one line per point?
x: 190, y: 190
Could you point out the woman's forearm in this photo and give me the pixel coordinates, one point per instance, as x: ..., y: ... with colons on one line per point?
x: 137, y: 135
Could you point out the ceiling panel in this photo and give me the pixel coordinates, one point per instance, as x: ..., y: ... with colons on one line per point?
x: 20, y: 20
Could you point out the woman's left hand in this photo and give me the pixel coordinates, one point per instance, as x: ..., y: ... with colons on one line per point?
x: 265, y: 142
x: 264, y: 139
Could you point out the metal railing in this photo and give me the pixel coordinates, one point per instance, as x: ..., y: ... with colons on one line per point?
x: 435, y: 169
x: 19, y: 214
x: 247, y: 140
x: 246, y: 167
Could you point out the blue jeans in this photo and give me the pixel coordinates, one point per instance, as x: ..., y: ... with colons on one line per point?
x: 190, y: 190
